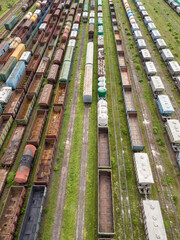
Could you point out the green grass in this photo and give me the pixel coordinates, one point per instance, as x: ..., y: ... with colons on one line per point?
x: 6, y: 5
x: 91, y: 212
x: 134, y: 196
x: 72, y: 191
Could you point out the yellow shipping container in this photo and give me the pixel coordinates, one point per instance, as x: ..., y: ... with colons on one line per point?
x: 18, y: 51
x: 34, y: 17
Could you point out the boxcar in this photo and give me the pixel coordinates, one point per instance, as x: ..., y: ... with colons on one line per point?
x: 11, y: 211
x: 24, y: 168
x: 33, y: 64
x: 14, y: 103
x: 13, y: 146
x: 31, y: 221
x: 54, y: 123
x: 25, y: 109
x: 53, y: 74
x: 5, y: 125
x: 34, y: 136
x: 88, y: 81
x: 7, y: 69
x: 60, y: 95
x: 45, y: 163
x: 46, y: 96
x: 64, y: 76
x: 58, y: 57
x: 35, y: 85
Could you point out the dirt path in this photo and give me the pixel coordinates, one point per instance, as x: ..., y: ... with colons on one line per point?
x: 58, y: 218
x: 82, y: 180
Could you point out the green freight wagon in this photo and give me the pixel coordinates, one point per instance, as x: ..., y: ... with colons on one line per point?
x: 5, y: 124
x: 11, y: 23
x: 69, y: 54
x: 64, y: 76
x: 7, y: 69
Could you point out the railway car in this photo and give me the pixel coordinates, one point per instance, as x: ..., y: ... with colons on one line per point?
x: 151, y: 26
x: 49, y: 52
x: 174, y: 69
x: 60, y: 95
x: 5, y: 95
x: 31, y: 221
x: 11, y: 23
x: 45, y: 163
x: 160, y: 44
x: 64, y: 76
x: 35, y: 85
x: 11, y: 212
x: 155, y: 34
x: 26, y: 57
x: 25, y: 110
x: 53, y: 74
x: 173, y: 129
x: 54, y: 123
x: 25, y: 80
x: 129, y: 102
x: 156, y: 85
x: 88, y: 81
x: 43, y: 66
x: 143, y: 171
x: 58, y: 57
x: 141, y: 44
x: 150, y: 69
x: 13, y: 146
x: 104, y: 155
x: 153, y: 221
x: 5, y: 125
x: 105, y: 201
x: 7, y: 69
x: 33, y: 64
x: 16, y: 75
x: 6, y: 55
x: 177, y: 83
x: 3, y: 176
x: 137, y: 142
x: 165, y: 107
x: 24, y: 168
x: 35, y: 133
x: 14, y: 103
x: 46, y: 96
x: 167, y: 55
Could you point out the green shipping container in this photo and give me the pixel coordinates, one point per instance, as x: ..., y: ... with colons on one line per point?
x: 11, y: 23
x: 7, y: 69
x: 64, y: 77
x: 100, y: 30
x: 69, y: 54
x: 102, y: 92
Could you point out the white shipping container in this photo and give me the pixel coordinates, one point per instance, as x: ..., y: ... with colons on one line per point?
x: 5, y: 94
x: 89, y: 53
x: 26, y: 56
x: 43, y: 26
x: 150, y: 68
x: 72, y: 43
x: 88, y: 81
x: 160, y: 44
x: 137, y: 35
x: 156, y: 84
x: 146, y: 56
x: 167, y: 55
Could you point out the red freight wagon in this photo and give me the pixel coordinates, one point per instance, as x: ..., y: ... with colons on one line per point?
x: 77, y: 18
x: 57, y: 13
x: 23, y: 171
x: 4, y: 58
x: 54, y: 123
x: 38, y: 36
x: 37, y: 127
x: 46, y: 96
x: 25, y: 80
x: 53, y: 74
x: 58, y: 56
x: 14, y: 103
x: 47, y: 18
x: 60, y: 95
x: 33, y: 64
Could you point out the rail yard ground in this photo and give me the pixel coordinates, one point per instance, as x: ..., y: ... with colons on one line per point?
x: 71, y: 192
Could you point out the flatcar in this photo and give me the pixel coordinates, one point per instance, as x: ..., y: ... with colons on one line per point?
x: 23, y: 171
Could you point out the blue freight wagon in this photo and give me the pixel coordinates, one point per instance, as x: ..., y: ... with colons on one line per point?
x: 16, y: 75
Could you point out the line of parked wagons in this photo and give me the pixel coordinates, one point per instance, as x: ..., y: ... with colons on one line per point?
x: 33, y: 212
x: 164, y: 104
x: 142, y: 166
x: 174, y: 4
x: 106, y: 224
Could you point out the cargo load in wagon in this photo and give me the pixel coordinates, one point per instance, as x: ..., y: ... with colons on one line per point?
x: 60, y: 95
x: 45, y: 163
x: 13, y: 146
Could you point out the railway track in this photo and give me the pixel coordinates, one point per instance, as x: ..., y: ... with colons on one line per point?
x: 124, y: 195
x: 158, y: 169
x: 58, y: 218
x: 5, y: 18
x: 82, y: 180
x: 154, y: 59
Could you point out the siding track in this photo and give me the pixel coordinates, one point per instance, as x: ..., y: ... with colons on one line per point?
x: 165, y: 194
x: 58, y: 219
